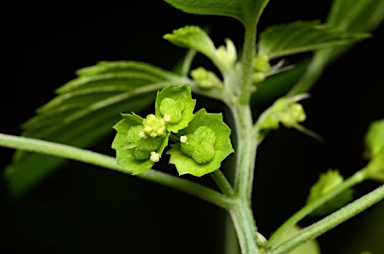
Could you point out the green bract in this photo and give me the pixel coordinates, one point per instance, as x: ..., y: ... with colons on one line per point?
x: 326, y: 183
x: 175, y: 105
x: 136, y: 149
x: 374, y: 140
x: 285, y: 110
x: 205, y: 143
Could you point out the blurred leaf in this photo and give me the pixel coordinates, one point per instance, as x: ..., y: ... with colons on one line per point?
x: 345, y: 16
x: 301, y: 36
x: 326, y: 183
x: 242, y: 10
x: 229, y: 8
x: 354, y: 16
x: 310, y: 247
x: 84, y: 111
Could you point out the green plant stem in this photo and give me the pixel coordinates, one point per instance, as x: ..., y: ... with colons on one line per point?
x: 222, y: 182
x: 186, y: 66
x: 242, y: 217
x: 68, y: 152
x: 245, y: 151
x: 330, y: 221
x: 356, y: 178
x: 247, y: 62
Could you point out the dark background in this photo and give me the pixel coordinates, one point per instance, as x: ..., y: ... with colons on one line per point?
x: 84, y: 209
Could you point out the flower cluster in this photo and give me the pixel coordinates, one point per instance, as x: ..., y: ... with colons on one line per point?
x: 203, y: 138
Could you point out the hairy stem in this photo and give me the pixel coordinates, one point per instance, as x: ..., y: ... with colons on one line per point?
x: 69, y: 152
x: 245, y: 151
x: 330, y: 221
x: 242, y: 217
x: 356, y: 178
x: 247, y: 63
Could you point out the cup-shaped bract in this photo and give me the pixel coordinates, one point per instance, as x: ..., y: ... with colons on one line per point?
x: 175, y: 105
x: 205, y: 143
x: 135, y: 150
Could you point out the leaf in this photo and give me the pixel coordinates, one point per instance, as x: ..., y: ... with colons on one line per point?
x: 302, y: 36
x: 246, y: 11
x: 354, y: 16
x: 185, y: 164
x: 84, y: 111
x: 193, y: 37
x: 326, y: 183
x: 310, y: 247
x: 229, y: 8
x: 175, y: 100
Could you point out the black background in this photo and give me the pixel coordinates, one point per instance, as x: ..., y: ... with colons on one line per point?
x: 84, y: 209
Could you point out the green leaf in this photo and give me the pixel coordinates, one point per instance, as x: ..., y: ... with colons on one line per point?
x: 229, y: 8
x: 302, y: 36
x: 327, y: 182
x: 354, y: 16
x: 246, y: 11
x: 310, y: 247
x: 193, y: 37
x: 85, y: 111
x: 175, y: 105
x: 134, y: 152
x: 197, y: 163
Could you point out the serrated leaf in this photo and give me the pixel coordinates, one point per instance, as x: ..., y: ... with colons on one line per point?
x: 229, y: 8
x: 84, y: 111
x: 185, y: 164
x: 245, y: 11
x: 181, y: 95
x: 193, y: 37
x: 326, y: 183
x: 354, y: 16
x: 302, y: 36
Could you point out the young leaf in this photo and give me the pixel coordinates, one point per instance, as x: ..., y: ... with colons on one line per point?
x: 205, y: 143
x: 193, y: 37
x: 135, y: 152
x: 84, y: 111
x: 229, y: 8
x: 175, y: 105
x: 325, y: 184
x: 302, y: 36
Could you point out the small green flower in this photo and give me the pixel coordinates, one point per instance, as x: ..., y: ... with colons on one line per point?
x: 204, y: 144
x: 374, y: 141
x: 261, y: 64
x: 174, y: 105
x: 137, y: 147
x: 153, y: 126
x: 206, y: 79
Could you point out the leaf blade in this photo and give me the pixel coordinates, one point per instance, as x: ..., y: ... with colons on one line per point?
x: 85, y: 111
x: 301, y: 36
